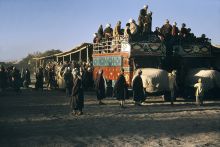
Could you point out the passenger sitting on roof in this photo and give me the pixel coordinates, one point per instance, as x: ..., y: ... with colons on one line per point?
x: 100, y: 33
x: 127, y: 32
x: 116, y: 35
x: 95, y: 39
x: 175, y: 30
x: 147, y: 25
x: 133, y: 29
x: 144, y: 10
x: 166, y: 29
x: 117, y: 31
x: 202, y: 39
x: 158, y: 33
x: 108, y: 32
x: 190, y: 36
x: 175, y: 33
x: 141, y: 19
x: 183, y: 30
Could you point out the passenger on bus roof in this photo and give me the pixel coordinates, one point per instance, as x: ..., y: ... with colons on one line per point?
x: 183, y: 30
x: 202, y: 39
x: 166, y: 29
x: 141, y: 19
x: 145, y: 8
x: 175, y: 33
x: 175, y: 30
x: 147, y: 25
x: 127, y: 32
x: 100, y: 33
x: 158, y: 33
x: 133, y: 29
x: 95, y: 39
x: 108, y: 32
x: 150, y: 22
x: 117, y: 31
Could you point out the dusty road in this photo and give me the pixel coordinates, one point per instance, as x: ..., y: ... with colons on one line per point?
x: 35, y: 118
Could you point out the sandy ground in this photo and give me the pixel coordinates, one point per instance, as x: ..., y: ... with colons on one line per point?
x: 35, y: 118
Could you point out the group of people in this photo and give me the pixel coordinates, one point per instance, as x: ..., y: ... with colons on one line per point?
x: 132, y: 31
x: 142, y: 31
x: 11, y: 77
x: 172, y: 34
x: 53, y: 74
x: 77, y: 77
x: 75, y: 85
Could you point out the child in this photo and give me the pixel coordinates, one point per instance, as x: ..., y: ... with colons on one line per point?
x: 199, y: 92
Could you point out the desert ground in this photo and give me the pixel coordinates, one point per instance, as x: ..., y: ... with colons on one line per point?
x: 36, y: 118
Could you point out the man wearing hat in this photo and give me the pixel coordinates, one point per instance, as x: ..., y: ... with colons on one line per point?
x: 108, y: 32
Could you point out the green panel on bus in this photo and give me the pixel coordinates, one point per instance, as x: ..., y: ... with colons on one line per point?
x: 107, y: 61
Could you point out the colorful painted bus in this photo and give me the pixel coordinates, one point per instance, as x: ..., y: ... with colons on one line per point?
x: 111, y: 56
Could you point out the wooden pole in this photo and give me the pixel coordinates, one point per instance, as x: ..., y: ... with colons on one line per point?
x: 87, y: 53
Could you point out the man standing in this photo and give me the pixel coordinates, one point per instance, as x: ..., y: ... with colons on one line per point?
x: 199, y: 92
x: 16, y: 79
x: 27, y: 78
x: 68, y: 77
x: 100, y: 87
x: 138, y: 90
x: 120, y: 89
x: 77, y: 96
x: 172, y: 85
x: 3, y: 78
x: 39, y: 79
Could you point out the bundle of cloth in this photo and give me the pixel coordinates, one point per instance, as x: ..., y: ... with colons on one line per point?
x: 154, y: 80
x: 210, y: 78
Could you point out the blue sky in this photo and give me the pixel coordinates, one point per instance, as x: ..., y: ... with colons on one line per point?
x: 27, y: 26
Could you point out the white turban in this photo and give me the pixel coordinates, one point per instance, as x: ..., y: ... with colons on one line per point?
x: 108, y: 25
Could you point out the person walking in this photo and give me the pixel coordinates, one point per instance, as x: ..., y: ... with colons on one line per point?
x: 120, y: 89
x: 77, y: 96
x: 138, y: 90
x: 100, y: 87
